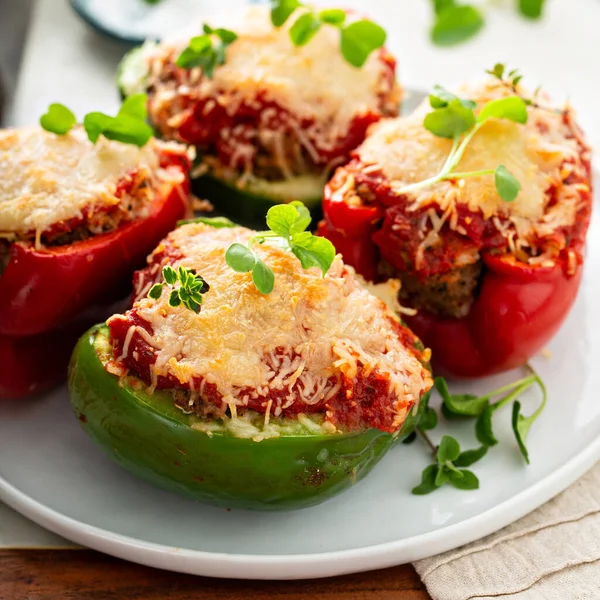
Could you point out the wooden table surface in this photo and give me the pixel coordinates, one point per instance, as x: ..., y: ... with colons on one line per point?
x: 88, y: 575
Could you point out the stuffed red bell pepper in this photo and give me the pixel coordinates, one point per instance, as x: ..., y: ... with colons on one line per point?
x: 76, y: 219
x: 490, y: 277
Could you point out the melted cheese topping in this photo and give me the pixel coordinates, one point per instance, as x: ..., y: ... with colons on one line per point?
x: 534, y: 153
x: 313, y: 82
x: 325, y: 326
x: 47, y: 178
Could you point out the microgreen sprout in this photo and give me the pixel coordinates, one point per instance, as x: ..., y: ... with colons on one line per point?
x: 128, y: 127
x: 189, y: 291
x: 287, y: 228
x: 455, y: 118
x: 206, y: 51
x: 358, y: 39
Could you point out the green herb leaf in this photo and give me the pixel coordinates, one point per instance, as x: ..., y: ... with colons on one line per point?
x: 448, y: 450
x: 464, y: 480
x: 332, y: 16
x: 512, y: 108
x: 497, y: 71
x: 169, y: 275
x: 429, y: 420
x: 440, y: 5
x: 450, y: 121
x: 281, y: 218
x: 135, y: 106
x: 470, y: 457
x: 441, y: 97
x: 226, y: 36
x: 531, y: 8
x: 427, y: 484
x: 59, y: 119
x: 303, y: 220
x: 507, y: 185
x: 359, y: 39
x: 313, y: 251
x: 410, y: 438
x: 155, y: 291
x: 263, y: 277
x: 122, y: 128
x: 441, y: 477
x: 455, y: 24
x: 174, y: 299
x: 483, y: 427
x: 216, y: 222
x: 282, y: 10
x: 304, y: 28
x: 240, y: 258
x: 466, y: 405
x: 521, y: 426
x: 205, y: 51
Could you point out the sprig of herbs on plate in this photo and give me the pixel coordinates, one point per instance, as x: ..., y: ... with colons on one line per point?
x: 454, y: 118
x: 189, y: 291
x: 128, y: 126
x: 207, y: 50
x: 456, y: 22
x: 287, y: 225
x: 358, y: 39
x: 449, y: 461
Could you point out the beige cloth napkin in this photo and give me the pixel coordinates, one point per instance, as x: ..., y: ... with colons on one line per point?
x: 551, y: 554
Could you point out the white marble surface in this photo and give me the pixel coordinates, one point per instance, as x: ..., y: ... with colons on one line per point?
x: 66, y: 62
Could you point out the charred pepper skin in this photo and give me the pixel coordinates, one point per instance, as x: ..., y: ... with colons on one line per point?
x: 152, y: 439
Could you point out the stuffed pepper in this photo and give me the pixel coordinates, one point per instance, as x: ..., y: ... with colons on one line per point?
x: 479, y: 202
x: 267, y: 400
x: 268, y: 119
x: 76, y: 219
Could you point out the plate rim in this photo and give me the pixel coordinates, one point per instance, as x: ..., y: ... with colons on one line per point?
x: 305, y: 566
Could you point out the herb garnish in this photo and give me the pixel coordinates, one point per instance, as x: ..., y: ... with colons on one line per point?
x: 449, y: 461
x: 358, y: 39
x: 206, y: 51
x: 454, y: 118
x: 190, y: 290
x: 456, y: 22
x: 128, y: 127
x: 287, y: 228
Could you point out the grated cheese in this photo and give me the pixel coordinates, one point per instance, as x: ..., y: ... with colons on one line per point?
x: 47, y: 178
x: 300, y: 339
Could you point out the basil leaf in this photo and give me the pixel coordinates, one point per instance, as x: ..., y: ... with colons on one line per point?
x: 466, y: 480
x: 304, y: 29
x: 58, y: 119
x: 313, y: 251
x: 155, y: 291
x: 429, y: 420
x: 466, y: 405
x: 507, y: 185
x: 512, y: 108
x: 216, y: 222
x: 359, y: 39
x: 135, y: 106
x: 441, y: 97
x: 469, y: 457
x: 281, y: 11
x: 263, y: 277
x: 226, y: 36
x: 332, y: 16
x: 128, y: 130
x: 455, y: 24
x: 427, y: 484
x: 240, y: 258
x: 531, y: 8
x: 281, y: 218
x: 94, y: 124
x: 448, y: 450
x: 483, y: 427
x: 450, y: 121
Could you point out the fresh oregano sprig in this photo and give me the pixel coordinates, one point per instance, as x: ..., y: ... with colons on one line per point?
x: 454, y: 118
x: 358, y: 39
x: 128, y: 126
x: 287, y: 228
x: 206, y: 51
x: 189, y: 291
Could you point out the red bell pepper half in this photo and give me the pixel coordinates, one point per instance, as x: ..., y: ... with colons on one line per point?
x: 43, y: 291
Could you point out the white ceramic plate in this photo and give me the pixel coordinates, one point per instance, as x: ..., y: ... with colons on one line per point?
x: 52, y: 473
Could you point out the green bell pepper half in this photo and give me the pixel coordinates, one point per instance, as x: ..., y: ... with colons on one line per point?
x: 154, y: 440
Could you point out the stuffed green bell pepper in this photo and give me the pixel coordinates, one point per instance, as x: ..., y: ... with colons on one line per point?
x: 275, y: 399
x: 268, y: 119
